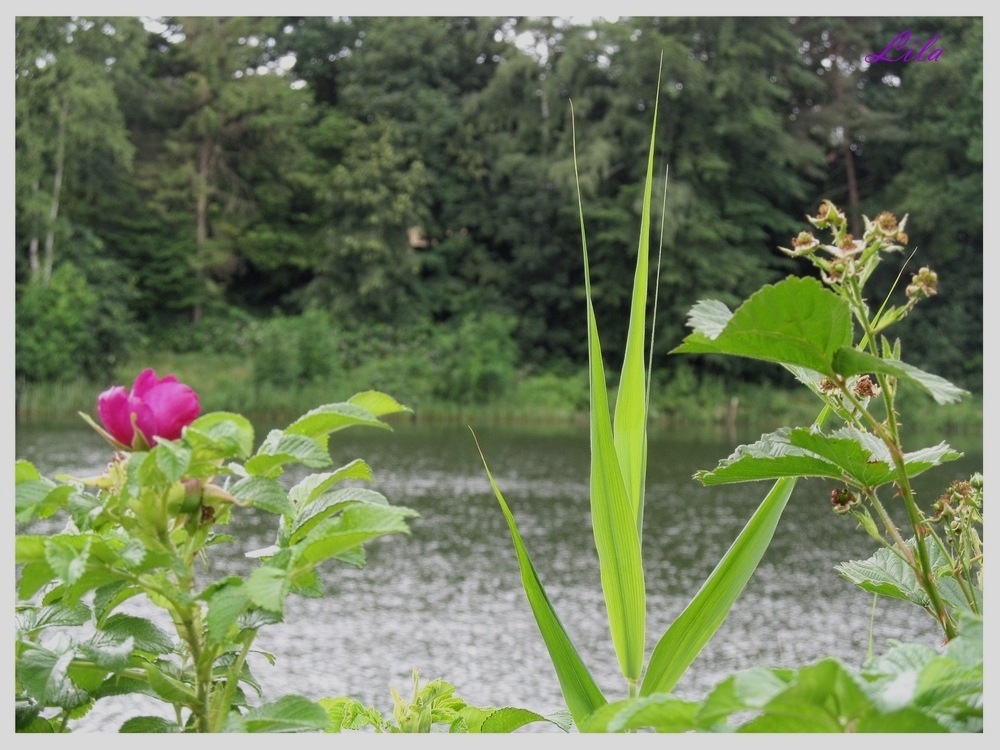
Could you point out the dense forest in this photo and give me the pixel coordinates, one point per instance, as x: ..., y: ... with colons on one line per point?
x: 313, y: 194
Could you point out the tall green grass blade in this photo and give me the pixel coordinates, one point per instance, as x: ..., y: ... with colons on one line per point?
x: 630, y: 409
x: 689, y: 633
x: 582, y: 695
x: 652, y: 340
x: 613, y: 515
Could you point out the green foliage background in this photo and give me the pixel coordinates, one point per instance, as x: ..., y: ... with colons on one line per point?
x: 402, y: 198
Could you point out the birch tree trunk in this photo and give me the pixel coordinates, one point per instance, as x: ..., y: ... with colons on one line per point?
x: 50, y: 234
x: 33, y: 244
x: 204, y: 159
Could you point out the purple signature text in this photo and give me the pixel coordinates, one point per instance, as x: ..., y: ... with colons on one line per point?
x: 903, y: 38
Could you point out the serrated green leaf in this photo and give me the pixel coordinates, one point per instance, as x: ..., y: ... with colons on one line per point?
x: 264, y: 493
x: 579, y: 689
x: 224, y: 608
x: 227, y: 429
x: 173, y: 459
x: 332, y: 417
x: 662, y: 712
x: 267, y: 587
x: 39, y: 498
x: 848, y: 361
x: 148, y: 637
x: 287, y: 449
x: 169, y: 688
x: 823, y: 697
x: 379, y: 404
x: 749, y: 690
x: 510, y: 719
x: 315, y: 485
x: 885, y: 573
x: 25, y: 471
x: 290, y: 713
x: 44, y: 675
x: 308, y: 516
x: 68, y: 562
x: 34, y: 576
x: 693, y: 628
x: 771, y: 457
x: 795, y: 322
x: 356, y: 525
x: 149, y: 724
x: 709, y: 317
x: 109, y: 651
x: 31, y: 619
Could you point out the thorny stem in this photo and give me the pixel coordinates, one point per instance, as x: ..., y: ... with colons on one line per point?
x: 923, y: 571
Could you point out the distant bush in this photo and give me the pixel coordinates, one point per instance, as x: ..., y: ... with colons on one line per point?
x: 70, y: 328
x: 477, y: 361
x: 294, y: 350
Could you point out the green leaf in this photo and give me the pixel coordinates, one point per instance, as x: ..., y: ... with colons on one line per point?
x: 150, y: 724
x: 315, y: 485
x: 582, y: 695
x: 268, y: 587
x: 631, y: 406
x: 510, y: 719
x: 173, y: 459
x: 354, y: 526
x: 286, y: 449
x: 34, y: 576
x: 709, y: 317
x: 169, y: 688
x: 108, y: 650
x: 231, y: 431
x: 311, y: 514
x: 795, y: 322
x: 331, y: 417
x: 25, y: 471
x: 693, y: 628
x: 264, y: 493
x: 749, y: 690
x: 41, y: 498
x: 771, y: 457
x: 846, y: 454
x: 848, y: 361
x: 224, y: 607
x: 290, y: 713
x: 662, y: 712
x: 379, y: 404
x: 33, y: 619
x: 823, y: 697
x: 614, y: 517
x: 44, y: 675
x: 885, y: 573
x: 148, y: 637
x: 68, y: 562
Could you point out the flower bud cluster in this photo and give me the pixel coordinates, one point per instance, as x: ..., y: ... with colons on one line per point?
x: 851, y: 258
x: 924, y: 285
x: 843, y: 500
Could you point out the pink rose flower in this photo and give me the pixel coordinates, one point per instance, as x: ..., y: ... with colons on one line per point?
x: 162, y: 408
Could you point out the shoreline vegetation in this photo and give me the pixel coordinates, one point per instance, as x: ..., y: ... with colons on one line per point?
x: 685, y: 401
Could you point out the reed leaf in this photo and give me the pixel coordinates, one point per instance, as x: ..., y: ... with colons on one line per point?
x: 582, y: 695
x: 693, y: 628
x: 631, y: 406
x: 613, y: 515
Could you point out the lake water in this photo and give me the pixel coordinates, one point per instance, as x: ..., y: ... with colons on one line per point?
x: 447, y: 600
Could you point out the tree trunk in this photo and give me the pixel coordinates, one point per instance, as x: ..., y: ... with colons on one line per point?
x: 201, y: 235
x: 50, y: 235
x: 33, y: 244
x: 854, y: 202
